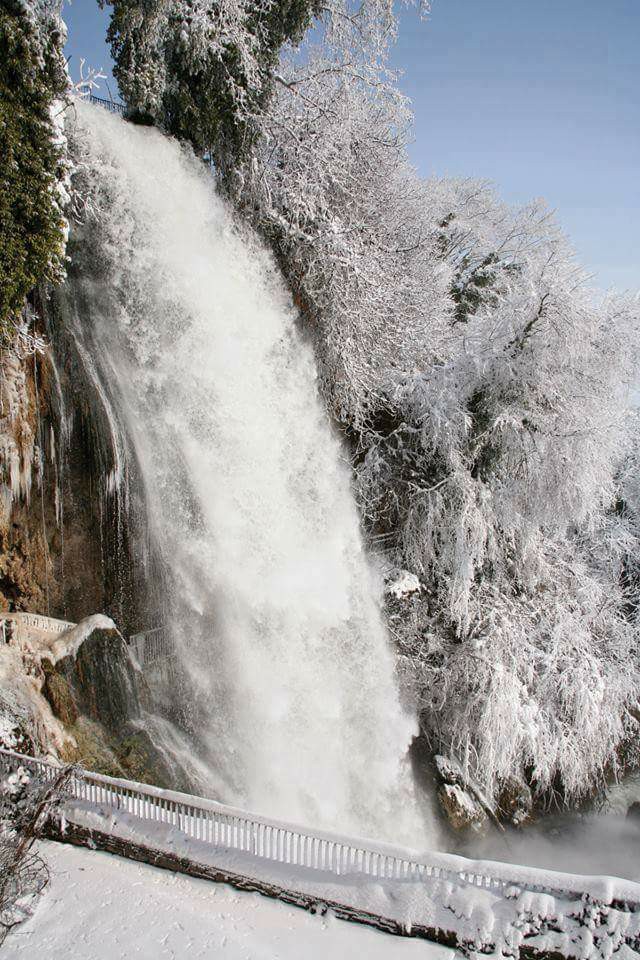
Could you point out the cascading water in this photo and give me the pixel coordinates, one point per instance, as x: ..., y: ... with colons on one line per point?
x: 272, y: 604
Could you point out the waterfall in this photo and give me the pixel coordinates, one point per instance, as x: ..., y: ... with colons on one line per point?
x: 271, y: 601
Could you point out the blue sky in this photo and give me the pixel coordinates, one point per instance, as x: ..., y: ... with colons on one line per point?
x: 542, y: 98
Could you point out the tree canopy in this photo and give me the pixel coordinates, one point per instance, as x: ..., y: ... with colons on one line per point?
x: 201, y: 68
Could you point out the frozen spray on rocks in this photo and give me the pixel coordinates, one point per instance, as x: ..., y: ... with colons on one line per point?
x: 272, y: 605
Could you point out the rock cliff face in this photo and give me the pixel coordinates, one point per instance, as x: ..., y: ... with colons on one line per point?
x: 56, y: 542
x: 50, y: 533
x: 65, y: 549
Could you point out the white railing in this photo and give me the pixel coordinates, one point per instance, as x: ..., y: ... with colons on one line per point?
x: 37, y: 622
x: 223, y: 826
x: 152, y: 646
x: 230, y: 828
x: 24, y: 623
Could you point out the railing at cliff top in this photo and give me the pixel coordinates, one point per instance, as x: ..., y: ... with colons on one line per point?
x: 229, y: 828
x: 33, y: 621
x: 112, y: 105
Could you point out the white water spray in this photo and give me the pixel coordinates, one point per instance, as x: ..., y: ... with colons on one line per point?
x: 273, y: 603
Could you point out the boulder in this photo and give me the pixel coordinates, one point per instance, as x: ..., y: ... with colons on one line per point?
x: 516, y: 802
x: 58, y: 692
x: 102, y: 677
x: 633, y: 813
x: 462, y: 811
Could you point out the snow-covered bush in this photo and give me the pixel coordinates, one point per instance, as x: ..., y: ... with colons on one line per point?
x: 25, y: 803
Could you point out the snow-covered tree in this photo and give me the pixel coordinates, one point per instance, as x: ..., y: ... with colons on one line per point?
x: 494, y: 480
x: 329, y: 184
x: 201, y: 68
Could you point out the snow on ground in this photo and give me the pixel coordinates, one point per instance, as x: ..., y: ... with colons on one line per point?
x: 101, y: 907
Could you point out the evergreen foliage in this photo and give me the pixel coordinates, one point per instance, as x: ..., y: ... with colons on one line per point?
x: 200, y: 69
x: 32, y: 224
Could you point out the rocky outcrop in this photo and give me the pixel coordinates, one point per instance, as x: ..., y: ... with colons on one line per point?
x: 515, y: 802
x: 60, y: 696
x: 461, y: 810
x: 459, y: 802
x: 97, y: 692
x: 99, y: 673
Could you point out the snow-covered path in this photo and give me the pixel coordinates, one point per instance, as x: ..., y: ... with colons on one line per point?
x: 101, y: 907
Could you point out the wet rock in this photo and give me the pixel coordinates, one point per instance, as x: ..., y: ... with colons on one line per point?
x: 92, y: 749
x: 109, y: 694
x: 462, y: 811
x: 58, y: 692
x: 516, y: 802
x: 103, y: 679
x: 144, y: 763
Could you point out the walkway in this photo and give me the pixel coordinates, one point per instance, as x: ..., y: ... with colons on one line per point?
x: 435, y: 896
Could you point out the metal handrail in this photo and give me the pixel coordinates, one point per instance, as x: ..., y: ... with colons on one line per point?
x: 112, y: 105
x: 152, y: 646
